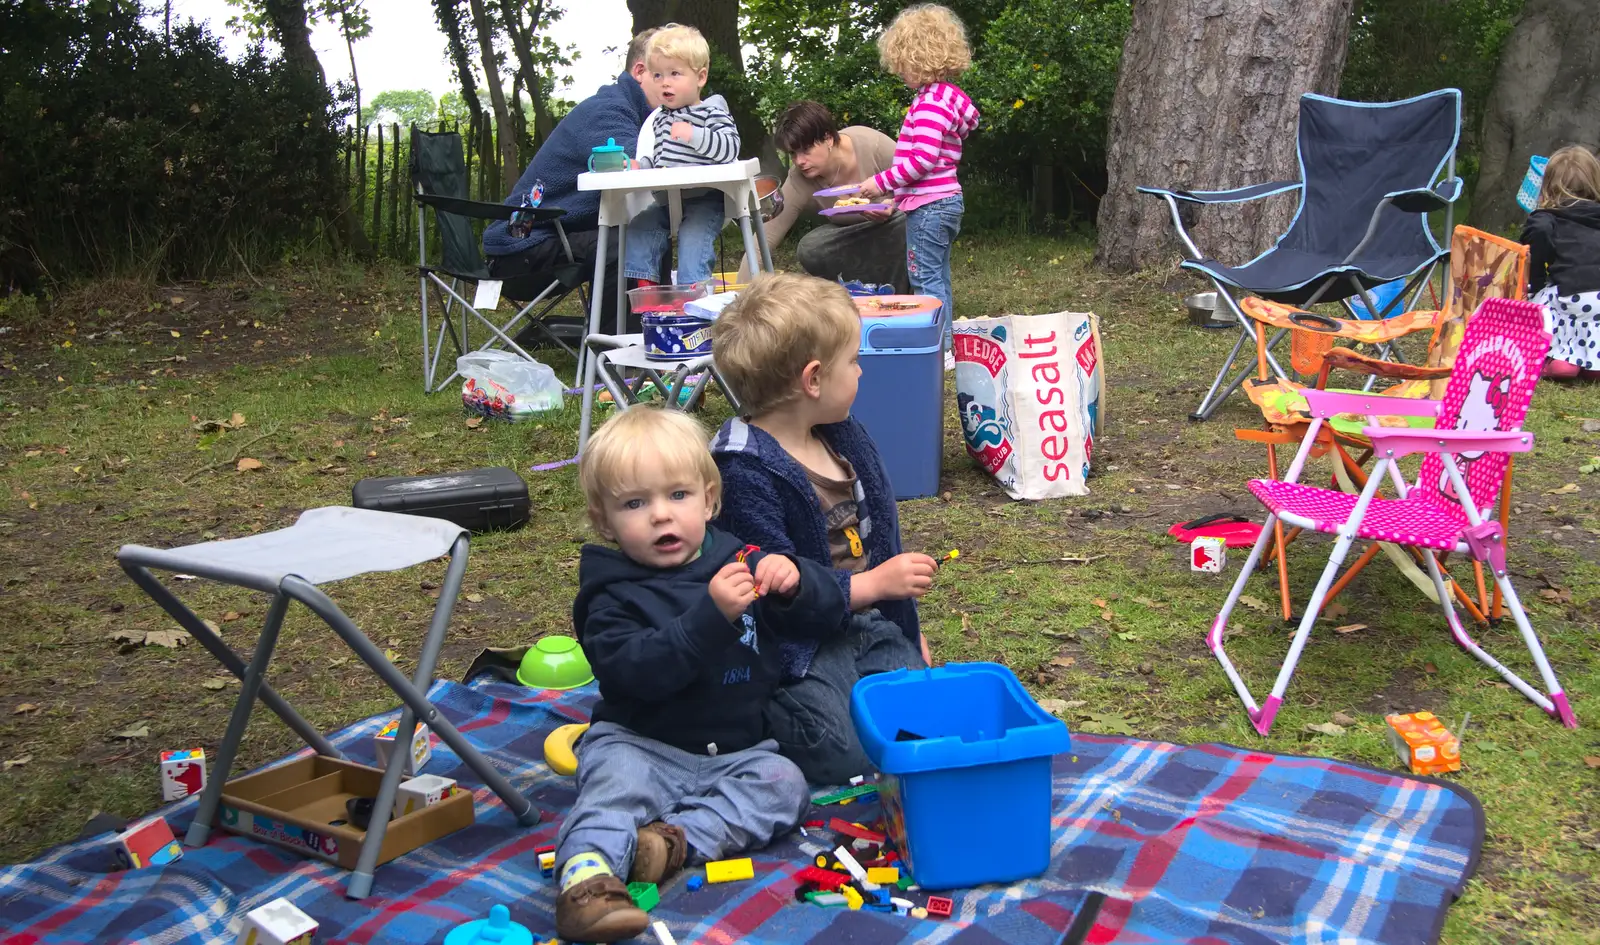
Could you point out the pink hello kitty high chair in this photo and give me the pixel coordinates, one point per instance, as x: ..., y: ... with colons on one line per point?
x: 1479, y: 422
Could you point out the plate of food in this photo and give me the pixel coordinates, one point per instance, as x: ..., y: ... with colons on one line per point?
x: 854, y: 205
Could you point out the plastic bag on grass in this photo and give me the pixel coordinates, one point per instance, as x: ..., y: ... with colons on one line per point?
x: 506, y: 386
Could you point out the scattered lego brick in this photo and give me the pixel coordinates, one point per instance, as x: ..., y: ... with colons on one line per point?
x: 851, y: 897
x: 727, y: 871
x: 829, y: 900
x: 850, y: 865
x: 883, y: 875
x: 827, y: 879
x: 940, y: 907
x: 917, y: 912
x: 849, y: 793
x: 696, y: 883
x: 645, y: 895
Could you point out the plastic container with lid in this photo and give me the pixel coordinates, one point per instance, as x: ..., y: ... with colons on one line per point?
x: 900, y: 398
x: 608, y: 157
x: 945, y: 736
x: 671, y: 333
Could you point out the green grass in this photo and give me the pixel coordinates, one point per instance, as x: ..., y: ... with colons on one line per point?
x: 99, y: 447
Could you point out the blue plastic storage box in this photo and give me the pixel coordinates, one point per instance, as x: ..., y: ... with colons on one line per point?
x: 968, y: 802
x: 900, y: 399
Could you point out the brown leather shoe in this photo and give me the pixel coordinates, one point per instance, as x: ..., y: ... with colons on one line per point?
x: 658, y: 853
x: 599, y: 909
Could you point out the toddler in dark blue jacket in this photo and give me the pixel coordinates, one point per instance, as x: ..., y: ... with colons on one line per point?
x: 681, y: 625
x: 802, y: 477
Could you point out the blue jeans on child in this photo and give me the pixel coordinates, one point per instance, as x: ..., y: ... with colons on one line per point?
x: 930, y: 230
x: 810, y: 717
x: 726, y: 804
x: 650, y: 239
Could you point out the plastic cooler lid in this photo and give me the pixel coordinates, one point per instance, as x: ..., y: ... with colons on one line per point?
x: 964, y: 728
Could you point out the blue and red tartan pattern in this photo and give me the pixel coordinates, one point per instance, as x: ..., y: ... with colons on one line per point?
x: 1204, y: 844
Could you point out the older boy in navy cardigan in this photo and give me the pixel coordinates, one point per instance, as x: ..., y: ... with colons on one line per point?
x: 801, y: 477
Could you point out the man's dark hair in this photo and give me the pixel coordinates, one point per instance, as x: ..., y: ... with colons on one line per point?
x: 804, y: 124
x: 638, y: 47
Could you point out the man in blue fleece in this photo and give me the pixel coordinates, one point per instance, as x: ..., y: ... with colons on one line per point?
x: 616, y: 111
x: 681, y: 624
x: 802, y: 477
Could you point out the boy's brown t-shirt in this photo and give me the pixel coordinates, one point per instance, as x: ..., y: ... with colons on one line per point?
x: 842, y: 514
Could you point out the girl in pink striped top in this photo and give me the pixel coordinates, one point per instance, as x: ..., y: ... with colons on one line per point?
x: 926, y: 46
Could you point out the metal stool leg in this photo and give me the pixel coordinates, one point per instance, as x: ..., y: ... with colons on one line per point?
x: 200, y: 829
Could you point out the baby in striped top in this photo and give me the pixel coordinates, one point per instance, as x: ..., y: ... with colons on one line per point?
x: 689, y: 131
x: 926, y: 46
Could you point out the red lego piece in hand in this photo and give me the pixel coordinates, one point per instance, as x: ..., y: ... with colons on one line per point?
x: 940, y: 907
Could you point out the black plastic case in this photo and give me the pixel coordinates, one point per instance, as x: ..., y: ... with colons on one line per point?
x: 477, y: 499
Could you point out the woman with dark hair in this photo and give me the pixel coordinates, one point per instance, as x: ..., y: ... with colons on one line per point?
x: 869, y: 247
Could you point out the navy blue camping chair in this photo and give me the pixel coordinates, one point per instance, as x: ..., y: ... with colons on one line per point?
x: 1370, y: 173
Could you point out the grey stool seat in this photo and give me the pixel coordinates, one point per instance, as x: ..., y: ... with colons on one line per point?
x: 323, y: 546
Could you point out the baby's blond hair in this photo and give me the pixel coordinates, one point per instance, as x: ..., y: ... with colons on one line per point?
x: 639, y: 438
x: 1573, y: 174
x: 683, y: 43
x: 925, y: 43
x: 780, y: 323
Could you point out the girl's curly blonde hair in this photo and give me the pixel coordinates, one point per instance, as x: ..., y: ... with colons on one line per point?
x: 925, y: 43
x: 1573, y: 174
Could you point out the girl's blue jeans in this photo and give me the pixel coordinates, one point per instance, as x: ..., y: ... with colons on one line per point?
x: 930, y: 231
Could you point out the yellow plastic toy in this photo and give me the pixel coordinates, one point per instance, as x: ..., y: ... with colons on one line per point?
x: 558, y: 752
x: 726, y: 871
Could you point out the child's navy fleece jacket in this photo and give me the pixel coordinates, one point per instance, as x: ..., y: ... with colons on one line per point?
x: 767, y: 499
x: 670, y: 666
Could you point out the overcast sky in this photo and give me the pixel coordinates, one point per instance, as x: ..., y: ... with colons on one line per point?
x: 407, y: 51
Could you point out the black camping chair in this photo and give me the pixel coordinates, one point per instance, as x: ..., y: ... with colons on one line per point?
x: 1369, y: 176
x: 439, y: 174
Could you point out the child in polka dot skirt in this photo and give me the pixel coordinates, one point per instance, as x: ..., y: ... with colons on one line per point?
x: 1563, y: 237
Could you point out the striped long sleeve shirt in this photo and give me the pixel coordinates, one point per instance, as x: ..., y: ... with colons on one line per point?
x: 715, y: 139
x: 929, y: 150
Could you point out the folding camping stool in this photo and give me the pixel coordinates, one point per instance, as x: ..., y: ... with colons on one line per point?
x: 322, y: 546
x: 612, y: 353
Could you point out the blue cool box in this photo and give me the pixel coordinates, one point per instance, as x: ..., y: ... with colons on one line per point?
x: 900, y: 399
x: 969, y: 802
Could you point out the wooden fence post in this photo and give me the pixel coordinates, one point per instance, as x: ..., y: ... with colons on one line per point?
x: 394, y: 194
x: 377, y: 197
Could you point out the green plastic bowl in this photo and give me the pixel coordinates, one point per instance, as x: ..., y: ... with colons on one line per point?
x: 555, y: 663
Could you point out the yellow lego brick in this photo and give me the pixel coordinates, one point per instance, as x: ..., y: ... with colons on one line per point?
x: 883, y: 875
x: 726, y: 871
x: 851, y: 897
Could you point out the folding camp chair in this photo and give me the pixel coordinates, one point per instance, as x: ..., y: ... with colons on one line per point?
x: 1485, y: 266
x: 1478, y: 423
x: 440, y: 177
x: 324, y: 545
x: 1368, y: 180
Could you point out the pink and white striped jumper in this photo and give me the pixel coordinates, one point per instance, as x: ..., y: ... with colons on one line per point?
x: 925, y: 158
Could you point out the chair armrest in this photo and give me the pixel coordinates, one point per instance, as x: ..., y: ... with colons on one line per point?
x: 481, y: 210
x: 1236, y: 195
x: 1426, y: 199
x: 1329, y: 403
x: 1365, y: 364
x: 1391, y: 442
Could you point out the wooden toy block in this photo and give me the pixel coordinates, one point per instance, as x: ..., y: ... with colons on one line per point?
x: 726, y: 871
x: 149, y: 843
x: 940, y: 907
x: 279, y: 922
x: 883, y: 875
x: 182, y: 773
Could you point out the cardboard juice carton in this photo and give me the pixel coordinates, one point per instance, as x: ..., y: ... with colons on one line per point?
x: 1423, y: 743
x: 421, y: 749
x: 182, y: 773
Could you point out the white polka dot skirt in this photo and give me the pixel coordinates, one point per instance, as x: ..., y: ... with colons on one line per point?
x: 1574, y: 324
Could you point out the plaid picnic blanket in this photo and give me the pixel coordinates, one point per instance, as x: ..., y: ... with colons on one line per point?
x: 1204, y: 843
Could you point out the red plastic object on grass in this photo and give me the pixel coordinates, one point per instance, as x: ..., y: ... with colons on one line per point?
x: 1236, y: 530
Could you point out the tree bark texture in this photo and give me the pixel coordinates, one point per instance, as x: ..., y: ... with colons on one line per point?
x: 1546, y: 95
x: 718, y: 21
x: 484, y: 24
x: 522, y: 35
x: 287, y: 21
x: 1208, y: 98
x: 448, y: 13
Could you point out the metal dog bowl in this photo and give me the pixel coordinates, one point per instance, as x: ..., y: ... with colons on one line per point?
x: 1204, y: 313
x: 769, y: 196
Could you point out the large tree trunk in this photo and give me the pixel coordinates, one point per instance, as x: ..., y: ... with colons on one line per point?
x: 522, y: 35
x: 484, y: 25
x: 718, y: 20
x: 448, y: 13
x: 1207, y: 98
x: 1546, y: 94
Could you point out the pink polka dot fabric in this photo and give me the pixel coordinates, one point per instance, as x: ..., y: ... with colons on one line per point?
x: 1490, y: 388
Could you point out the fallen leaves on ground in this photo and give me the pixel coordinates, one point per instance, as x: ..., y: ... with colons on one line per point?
x: 231, y: 616
x: 217, y: 682
x: 1340, y: 718
x: 1558, y: 594
x: 1334, y: 611
x: 133, y: 731
x: 1255, y: 603
x: 1106, y: 723
x: 966, y: 627
x: 474, y: 423
x: 247, y: 464
x: 1429, y: 668
x: 1567, y: 489
x: 25, y: 708
x: 1592, y: 761
x: 1350, y: 628
x: 16, y: 762
x: 133, y: 639
x: 1325, y: 728
x: 474, y: 598
x: 1065, y: 662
